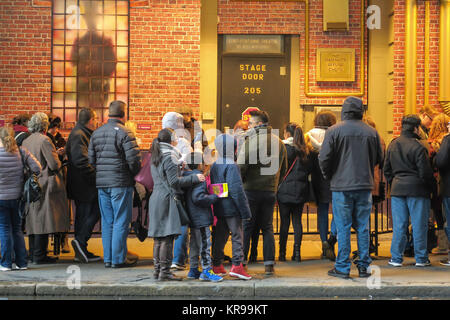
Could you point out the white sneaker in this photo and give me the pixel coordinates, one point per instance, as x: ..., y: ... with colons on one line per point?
x: 20, y: 268
x: 177, y: 266
x: 5, y: 268
x: 445, y: 262
x: 395, y: 264
x: 423, y: 264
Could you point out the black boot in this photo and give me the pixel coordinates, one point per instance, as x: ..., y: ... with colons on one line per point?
x: 328, y: 248
x: 296, y: 255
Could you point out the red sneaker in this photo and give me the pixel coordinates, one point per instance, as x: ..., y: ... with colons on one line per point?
x: 239, y: 272
x: 220, y: 270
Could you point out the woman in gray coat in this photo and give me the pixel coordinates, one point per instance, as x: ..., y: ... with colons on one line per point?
x: 50, y: 214
x: 164, y: 217
x: 12, y: 160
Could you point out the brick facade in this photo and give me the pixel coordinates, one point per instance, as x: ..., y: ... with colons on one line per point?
x: 165, y: 53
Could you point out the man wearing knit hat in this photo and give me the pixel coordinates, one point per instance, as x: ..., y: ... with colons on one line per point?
x: 350, y: 151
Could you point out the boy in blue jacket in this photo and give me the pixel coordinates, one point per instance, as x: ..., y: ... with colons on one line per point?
x: 230, y: 211
x: 198, y: 205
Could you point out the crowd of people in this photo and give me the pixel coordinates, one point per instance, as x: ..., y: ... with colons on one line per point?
x: 195, y: 206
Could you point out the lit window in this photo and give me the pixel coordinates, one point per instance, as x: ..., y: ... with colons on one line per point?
x: 89, y: 56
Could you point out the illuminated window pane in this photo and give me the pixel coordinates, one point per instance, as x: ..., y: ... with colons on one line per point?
x: 58, y: 52
x: 58, y: 68
x: 71, y: 100
x: 71, y: 115
x: 58, y: 100
x: 71, y: 36
x: 71, y: 84
x: 122, y: 7
x: 58, y: 36
x: 70, y: 69
x: 68, y: 55
x: 122, y: 23
x: 122, y: 70
x: 58, y: 21
x: 58, y: 6
x: 109, y: 23
x: 111, y: 85
x: 110, y: 7
x: 122, y: 38
x: 58, y: 84
x: 122, y: 54
x: 122, y: 85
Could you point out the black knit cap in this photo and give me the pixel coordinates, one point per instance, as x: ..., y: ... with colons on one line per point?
x: 117, y: 109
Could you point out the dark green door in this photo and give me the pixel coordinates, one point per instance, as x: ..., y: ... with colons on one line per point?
x: 255, y: 81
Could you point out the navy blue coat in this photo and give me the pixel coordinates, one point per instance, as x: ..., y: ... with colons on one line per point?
x: 198, y: 203
x: 225, y: 170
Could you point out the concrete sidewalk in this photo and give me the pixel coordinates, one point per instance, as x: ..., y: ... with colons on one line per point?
x: 307, y: 279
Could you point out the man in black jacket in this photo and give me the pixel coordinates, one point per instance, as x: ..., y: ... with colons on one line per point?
x: 81, y: 184
x: 115, y: 155
x: 408, y: 171
x: 350, y: 151
x: 442, y: 161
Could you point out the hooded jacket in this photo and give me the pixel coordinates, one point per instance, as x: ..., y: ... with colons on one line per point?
x: 407, y: 167
x: 261, y: 170
x: 174, y: 121
x: 198, y: 203
x: 350, y: 151
x: 225, y: 170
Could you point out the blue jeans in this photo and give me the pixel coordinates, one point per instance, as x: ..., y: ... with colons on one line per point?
x: 352, y: 208
x: 180, y: 247
x: 116, y: 206
x: 418, y: 208
x: 446, y: 203
x: 11, y: 236
x: 322, y: 219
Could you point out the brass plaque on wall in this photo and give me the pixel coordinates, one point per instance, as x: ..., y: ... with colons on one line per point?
x: 335, y: 64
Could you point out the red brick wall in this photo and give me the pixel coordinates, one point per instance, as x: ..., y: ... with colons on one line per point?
x: 289, y: 18
x: 164, y: 60
x: 25, y: 58
x: 399, y: 59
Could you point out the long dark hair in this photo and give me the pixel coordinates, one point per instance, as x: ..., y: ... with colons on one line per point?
x: 166, y: 136
x: 299, y: 140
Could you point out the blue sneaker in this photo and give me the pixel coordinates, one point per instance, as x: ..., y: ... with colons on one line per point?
x: 209, y: 275
x: 193, y: 273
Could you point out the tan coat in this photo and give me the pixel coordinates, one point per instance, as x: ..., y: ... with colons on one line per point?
x: 50, y: 214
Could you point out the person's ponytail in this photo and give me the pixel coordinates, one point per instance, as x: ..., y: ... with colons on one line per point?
x: 299, y: 144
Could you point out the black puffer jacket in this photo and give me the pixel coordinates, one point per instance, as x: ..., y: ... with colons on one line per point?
x: 407, y: 167
x: 115, y: 155
x: 80, y: 174
x: 294, y: 189
x: 442, y: 162
x: 350, y: 150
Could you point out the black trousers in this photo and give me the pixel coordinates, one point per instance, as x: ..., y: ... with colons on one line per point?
x: 261, y: 205
x: 38, y: 244
x: 288, y: 210
x: 87, y: 215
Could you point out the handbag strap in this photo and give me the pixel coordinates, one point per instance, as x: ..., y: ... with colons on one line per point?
x: 289, y: 171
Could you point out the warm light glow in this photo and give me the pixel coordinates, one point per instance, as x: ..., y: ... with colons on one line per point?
x: 90, y: 56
